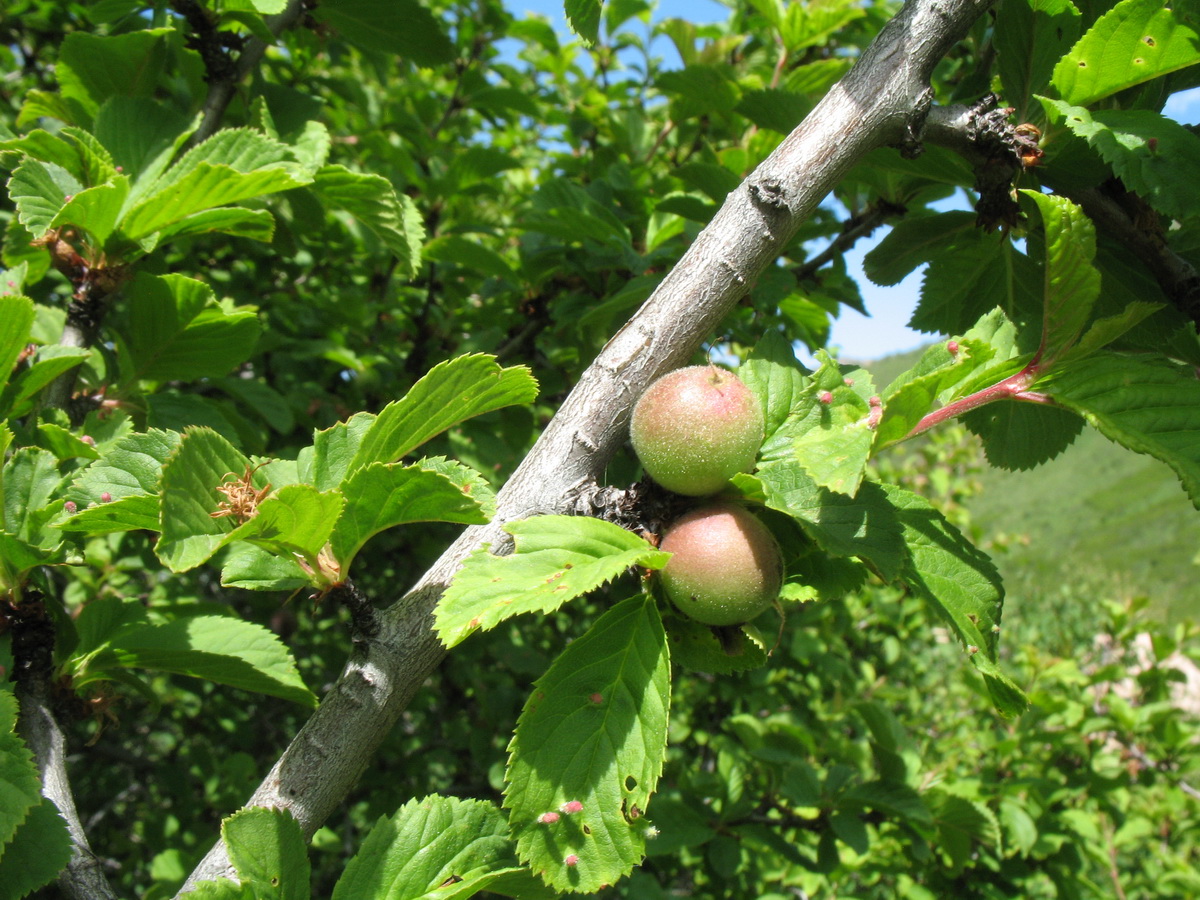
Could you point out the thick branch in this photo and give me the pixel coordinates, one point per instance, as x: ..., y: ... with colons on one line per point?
x: 880, y: 102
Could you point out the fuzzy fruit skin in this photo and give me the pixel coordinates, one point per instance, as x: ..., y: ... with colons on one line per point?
x: 695, y: 428
x: 726, y: 568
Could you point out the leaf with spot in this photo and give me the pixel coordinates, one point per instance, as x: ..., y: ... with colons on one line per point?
x: 589, y: 749
x: 555, y: 559
x: 1133, y: 42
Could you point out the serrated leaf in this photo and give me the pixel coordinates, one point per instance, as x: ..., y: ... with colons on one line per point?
x: 141, y: 135
x: 960, y: 824
x: 1030, y: 37
x: 296, y: 519
x: 696, y: 647
x: 30, y: 477
x: 39, y: 190
x: 20, y: 787
x: 175, y: 330
x: 253, y: 224
x: 450, y: 392
x: 393, y: 27
x: 913, y: 241
x: 1072, y: 283
x: 40, y: 850
x: 584, y: 18
x: 835, y: 442
x: 381, y: 496
x: 916, y: 392
x: 961, y: 582
x: 17, y: 558
x: 373, y: 200
x: 92, y: 68
x: 1151, y: 154
x: 776, y: 377
x: 333, y: 450
x: 1150, y: 406
x: 16, y: 320
x: 973, y: 276
x: 555, y: 559
x: 863, y: 526
x: 593, y: 733
x: 217, y: 648
x: 190, y: 534
x: 130, y: 468
x: 1133, y: 42
x: 268, y: 850
x: 470, y: 254
x: 1022, y: 435
x: 429, y: 843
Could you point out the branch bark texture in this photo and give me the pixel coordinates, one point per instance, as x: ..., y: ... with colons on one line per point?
x: 882, y: 101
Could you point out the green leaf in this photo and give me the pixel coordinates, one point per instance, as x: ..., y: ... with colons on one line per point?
x: 373, y: 200
x: 776, y: 377
x: 91, y: 68
x: 774, y: 108
x: 972, y: 276
x: 1133, y: 42
x: 429, y: 843
x: 95, y: 210
x: 190, y: 478
x: 1072, y: 283
x: 948, y: 571
x: 1150, y: 406
x: 1022, y: 435
x: 593, y: 733
x: 49, y: 362
x: 470, y: 254
x: 140, y: 134
x: 130, y: 468
x: 913, y: 241
x: 39, y: 190
x: 234, y: 164
x: 1151, y: 154
x: 961, y: 823
x: 268, y: 850
x: 450, y: 392
x: 64, y: 444
x: 1105, y: 330
x: 20, y: 787
x: 40, y: 850
x: 253, y: 224
x: 217, y: 648
x: 30, y: 477
x: 834, y: 441
x: 1030, y: 37
x: 584, y: 18
x: 295, y: 519
x: 16, y: 321
x: 915, y: 393
x: 333, y: 450
x: 697, y: 648
x: 863, y: 526
x: 254, y: 569
x: 381, y: 496
x: 555, y: 559
x: 17, y: 559
x: 393, y: 27
x: 175, y: 330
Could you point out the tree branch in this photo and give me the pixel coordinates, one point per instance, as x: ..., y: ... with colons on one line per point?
x: 221, y: 89
x: 881, y: 101
x: 32, y: 644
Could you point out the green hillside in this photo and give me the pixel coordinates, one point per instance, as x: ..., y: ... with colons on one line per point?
x: 1097, y: 517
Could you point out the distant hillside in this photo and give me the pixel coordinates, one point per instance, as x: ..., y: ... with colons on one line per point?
x: 1101, y: 518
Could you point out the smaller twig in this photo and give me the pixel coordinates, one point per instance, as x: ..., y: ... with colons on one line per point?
x: 854, y: 229
x: 1015, y: 387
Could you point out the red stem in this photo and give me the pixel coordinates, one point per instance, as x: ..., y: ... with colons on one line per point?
x: 1015, y: 387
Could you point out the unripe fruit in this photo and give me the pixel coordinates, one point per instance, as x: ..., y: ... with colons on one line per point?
x: 726, y: 567
x: 695, y: 428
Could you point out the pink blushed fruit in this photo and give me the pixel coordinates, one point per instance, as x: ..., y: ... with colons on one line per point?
x: 695, y: 428
x: 726, y: 567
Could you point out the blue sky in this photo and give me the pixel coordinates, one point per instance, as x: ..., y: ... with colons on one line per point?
x: 858, y: 338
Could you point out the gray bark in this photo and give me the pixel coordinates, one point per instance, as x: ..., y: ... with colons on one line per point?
x: 882, y: 101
